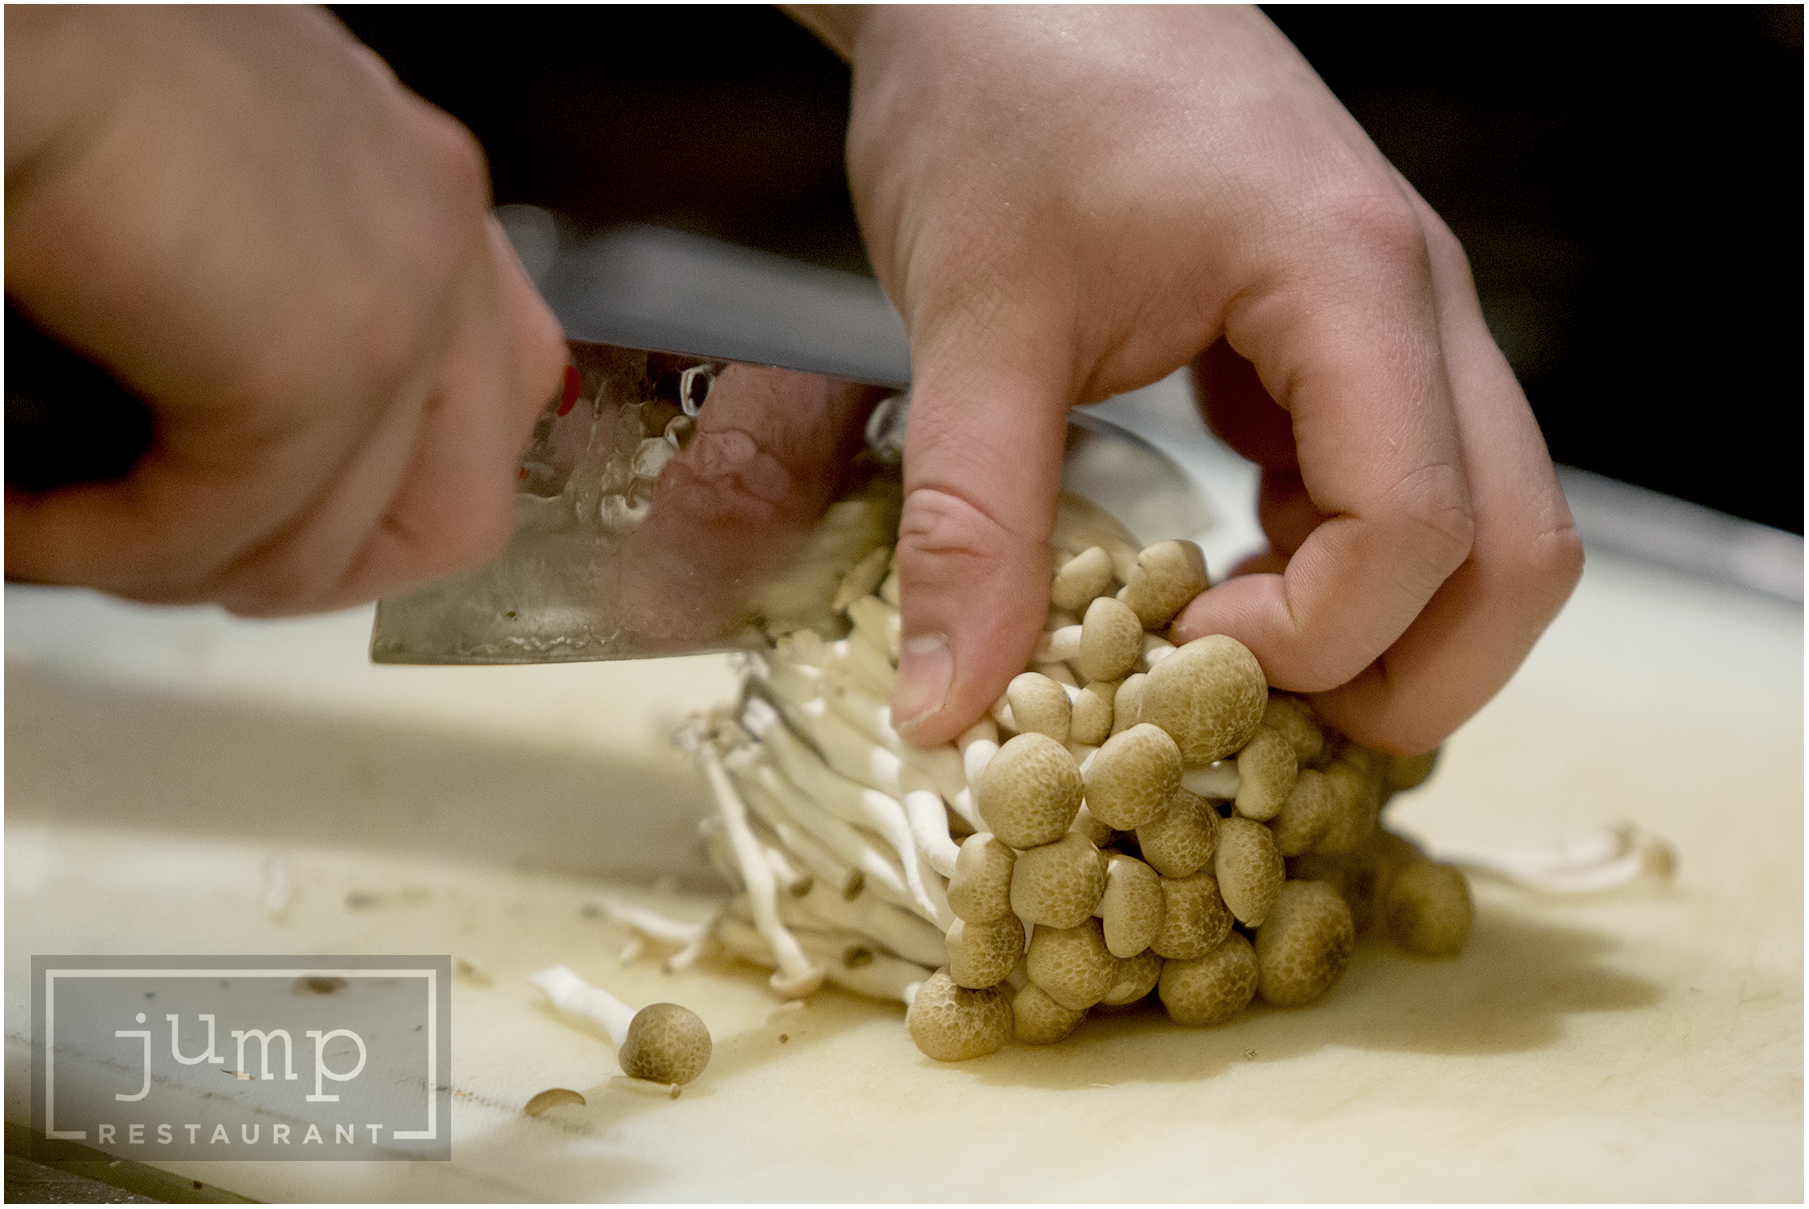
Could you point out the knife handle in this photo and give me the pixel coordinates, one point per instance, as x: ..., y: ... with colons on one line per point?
x: 68, y: 421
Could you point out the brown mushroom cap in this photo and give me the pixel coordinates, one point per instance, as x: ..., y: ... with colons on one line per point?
x: 1092, y: 828
x: 1294, y: 719
x: 1136, y: 977
x: 1428, y: 909
x: 1132, y: 777
x: 1058, y: 884
x: 1209, y: 695
x: 666, y: 1043
x: 953, y: 1023
x: 1131, y: 907
x: 1306, y: 815
x: 1354, y: 783
x: 1194, y: 917
x: 1183, y: 838
x: 1090, y: 717
x: 982, y: 955
x: 1111, y: 640
x: 1303, y: 945
x: 1212, y: 989
x: 1029, y: 791
x: 1081, y: 579
x: 1248, y: 868
x: 1266, y: 771
x: 1167, y: 578
x: 1039, y: 704
x: 979, y: 891
x: 1353, y: 876
x: 1071, y: 964
x: 1128, y: 701
x: 1037, y: 1019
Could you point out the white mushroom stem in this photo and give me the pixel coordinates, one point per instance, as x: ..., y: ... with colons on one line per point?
x: 883, y: 977
x: 872, y: 718
x: 1001, y: 714
x: 1215, y: 780
x: 905, y: 934
x: 852, y: 802
x: 1155, y: 650
x: 1059, y: 673
x: 1612, y: 857
x: 1058, y: 646
x: 856, y: 757
x: 571, y: 993
x: 826, y: 867
x: 850, y: 844
x: 796, y: 974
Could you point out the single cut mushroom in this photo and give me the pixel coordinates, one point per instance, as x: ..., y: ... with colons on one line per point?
x: 1132, y: 777
x: 1303, y: 945
x: 1072, y: 964
x: 1030, y: 791
x: 1058, y: 884
x: 662, y: 1043
x: 1249, y: 869
x: 953, y: 1023
x: 1209, y: 695
x: 1212, y: 989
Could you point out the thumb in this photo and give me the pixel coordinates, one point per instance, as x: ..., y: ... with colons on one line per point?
x: 982, y: 469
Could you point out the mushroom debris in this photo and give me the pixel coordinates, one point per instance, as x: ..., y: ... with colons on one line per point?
x: 1133, y: 818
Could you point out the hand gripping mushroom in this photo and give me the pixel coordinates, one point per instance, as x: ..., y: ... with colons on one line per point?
x: 661, y: 1043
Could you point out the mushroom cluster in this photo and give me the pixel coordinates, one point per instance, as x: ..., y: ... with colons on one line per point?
x: 1133, y: 818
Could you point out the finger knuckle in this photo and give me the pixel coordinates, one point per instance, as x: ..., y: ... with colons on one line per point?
x: 1433, y: 503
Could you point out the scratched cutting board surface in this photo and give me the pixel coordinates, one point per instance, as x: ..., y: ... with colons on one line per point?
x: 1641, y: 1045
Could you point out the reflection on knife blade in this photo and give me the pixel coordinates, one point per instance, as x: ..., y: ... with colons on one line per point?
x: 649, y: 524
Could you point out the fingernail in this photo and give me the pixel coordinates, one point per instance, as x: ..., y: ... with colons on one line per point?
x: 925, y: 669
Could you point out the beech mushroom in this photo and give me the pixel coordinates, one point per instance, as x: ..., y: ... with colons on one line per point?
x: 1090, y: 714
x: 1194, y: 917
x: 1039, y: 705
x: 1303, y: 944
x: 1058, y: 884
x: 1209, y: 696
x: 1248, y: 868
x: 1266, y: 771
x: 1127, y: 702
x: 1132, y: 777
x: 981, y: 955
x: 1427, y: 909
x: 1081, y: 579
x: 1072, y: 964
x: 1037, y: 1019
x: 980, y: 889
x: 662, y: 1043
x: 1212, y: 989
x: 1182, y: 838
x: 1030, y: 791
x: 953, y: 1023
x: 1167, y: 577
x: 1135, y: 978
x: 1293, y: 719
x: 1130, y: 910
x: 1111, y: 640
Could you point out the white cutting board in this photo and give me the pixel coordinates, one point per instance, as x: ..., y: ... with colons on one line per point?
x: 1643, y: 1045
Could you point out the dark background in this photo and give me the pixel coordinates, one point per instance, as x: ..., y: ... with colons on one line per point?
x: 1627, y: 181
